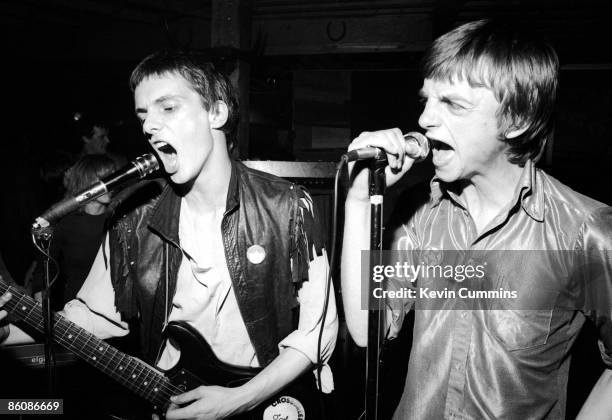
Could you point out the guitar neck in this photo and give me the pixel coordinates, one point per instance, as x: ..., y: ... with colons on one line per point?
x: 145, y: 381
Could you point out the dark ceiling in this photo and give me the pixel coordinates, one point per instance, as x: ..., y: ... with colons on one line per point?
x: 124, y: 30
x: 66, y: 55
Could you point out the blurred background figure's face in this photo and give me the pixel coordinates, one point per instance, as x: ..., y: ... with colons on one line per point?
x: 104, y: 199
x: 98, y: 141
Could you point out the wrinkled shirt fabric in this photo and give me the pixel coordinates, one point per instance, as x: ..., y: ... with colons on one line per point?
x: 508, y: 361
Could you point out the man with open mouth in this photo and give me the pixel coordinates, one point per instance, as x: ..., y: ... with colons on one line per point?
x: 488, y: 94
x: 232, y: 252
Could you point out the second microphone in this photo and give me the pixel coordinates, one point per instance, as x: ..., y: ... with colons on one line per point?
x: 417, y: 148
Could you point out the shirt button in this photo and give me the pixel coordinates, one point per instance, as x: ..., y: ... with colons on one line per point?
x: 464, y: 314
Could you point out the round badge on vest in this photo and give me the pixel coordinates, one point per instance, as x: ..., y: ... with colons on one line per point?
x: 256, y: 254
x: 285, y: 408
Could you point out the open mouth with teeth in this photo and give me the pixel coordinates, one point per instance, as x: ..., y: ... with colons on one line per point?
x: 442, y: 152
x: 168, y: 155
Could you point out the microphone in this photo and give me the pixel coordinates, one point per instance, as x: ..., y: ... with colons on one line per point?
x: 137, y: 169
x: 417, y: 148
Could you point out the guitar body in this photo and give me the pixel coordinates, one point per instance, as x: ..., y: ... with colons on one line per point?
x: 198, y: 366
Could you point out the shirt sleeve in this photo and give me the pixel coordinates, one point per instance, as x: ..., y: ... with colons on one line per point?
x: 311, y: 297
x: 594, y: 246
x: 94, y: 308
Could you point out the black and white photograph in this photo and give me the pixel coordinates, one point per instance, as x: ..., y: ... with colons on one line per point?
x: 306, y: 209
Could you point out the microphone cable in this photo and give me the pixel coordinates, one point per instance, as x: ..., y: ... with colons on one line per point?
x: 46, y: 234
x: 343, y: 162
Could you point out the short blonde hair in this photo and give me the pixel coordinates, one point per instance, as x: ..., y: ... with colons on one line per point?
x: 518, y: 66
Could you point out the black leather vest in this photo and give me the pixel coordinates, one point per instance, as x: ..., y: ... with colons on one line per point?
x: 261, y: 210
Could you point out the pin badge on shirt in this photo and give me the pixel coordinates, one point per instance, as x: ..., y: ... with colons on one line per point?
x: 285, y: 408
x: 256, y: 254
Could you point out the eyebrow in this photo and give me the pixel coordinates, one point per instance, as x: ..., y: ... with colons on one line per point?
x: 448, y: 97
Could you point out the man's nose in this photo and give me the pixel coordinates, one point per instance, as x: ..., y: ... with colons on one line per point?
x: 150, y: 125
x: 429, y: 117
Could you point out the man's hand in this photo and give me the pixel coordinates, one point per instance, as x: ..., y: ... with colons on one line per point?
x: 14, y: 335
x: 3, y: 299
x: 215, y: 402
x: 4, y: 329
x: 393, y: 143
x: 207, y: 402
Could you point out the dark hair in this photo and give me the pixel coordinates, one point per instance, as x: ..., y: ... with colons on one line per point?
x: 519, y: 67
x: 205, y: 79
x: 86, y: 171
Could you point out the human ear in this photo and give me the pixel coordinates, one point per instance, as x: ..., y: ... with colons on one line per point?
x: 514, y: 131
x: 217, y: 115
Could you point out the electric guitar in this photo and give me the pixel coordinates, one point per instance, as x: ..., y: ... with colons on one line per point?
x: 197, y: 366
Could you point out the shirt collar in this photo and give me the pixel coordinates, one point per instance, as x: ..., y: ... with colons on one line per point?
x: 437, y: 191
x: 528, y: 192
x: 531, y: 195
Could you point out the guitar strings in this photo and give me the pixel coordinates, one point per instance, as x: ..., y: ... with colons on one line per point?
x: 154, y: 379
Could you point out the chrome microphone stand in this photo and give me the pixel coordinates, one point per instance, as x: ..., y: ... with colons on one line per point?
x: 376, y: 313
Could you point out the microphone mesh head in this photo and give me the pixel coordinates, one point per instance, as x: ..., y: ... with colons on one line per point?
x: 422, y: 142
x: 146, y: 164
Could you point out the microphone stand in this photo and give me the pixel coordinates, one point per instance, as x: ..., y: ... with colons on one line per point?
x: 376, y: 313
x: 42, y: 239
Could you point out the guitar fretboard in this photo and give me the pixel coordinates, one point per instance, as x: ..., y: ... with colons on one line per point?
x: 145, y: 381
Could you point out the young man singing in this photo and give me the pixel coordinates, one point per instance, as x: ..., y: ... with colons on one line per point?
x: 231, y: 251
x: 488, y: 96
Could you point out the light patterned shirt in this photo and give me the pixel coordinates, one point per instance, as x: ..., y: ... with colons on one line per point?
x: 508, y: 360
